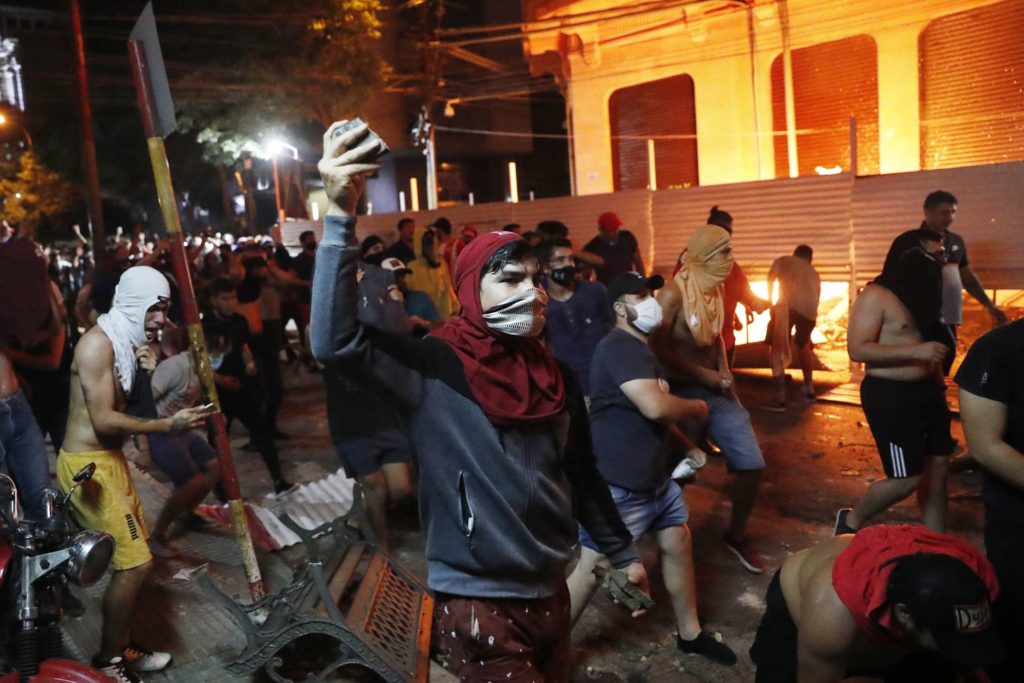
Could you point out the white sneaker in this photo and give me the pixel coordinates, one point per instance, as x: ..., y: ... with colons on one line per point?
x: 140, y: 659
x: 117, y: 670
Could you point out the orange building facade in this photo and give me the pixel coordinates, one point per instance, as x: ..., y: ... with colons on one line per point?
x: 725, y: 91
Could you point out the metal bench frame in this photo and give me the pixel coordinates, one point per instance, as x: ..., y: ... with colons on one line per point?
x: 386, y: 628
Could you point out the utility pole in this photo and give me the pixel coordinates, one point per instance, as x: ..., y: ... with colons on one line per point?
x: 423, y: 136
x: 92, y: 176
x: 423, y: 133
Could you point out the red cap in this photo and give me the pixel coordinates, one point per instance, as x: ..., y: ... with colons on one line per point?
x: 609, y: 221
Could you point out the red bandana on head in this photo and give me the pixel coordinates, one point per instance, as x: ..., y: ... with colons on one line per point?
x: 513, y: 379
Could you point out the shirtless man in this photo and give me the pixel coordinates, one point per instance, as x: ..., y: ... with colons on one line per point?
x: 895, y: 329
x: 897, y: 603
x: 102, y: 375
x: 689, y: 344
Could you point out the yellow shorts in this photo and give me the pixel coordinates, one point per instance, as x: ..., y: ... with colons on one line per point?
x: 108, y: 503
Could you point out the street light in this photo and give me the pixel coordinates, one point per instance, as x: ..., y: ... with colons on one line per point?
x: 276, y: 147
x: 4, y: 121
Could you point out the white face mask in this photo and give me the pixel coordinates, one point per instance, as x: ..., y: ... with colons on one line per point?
x: 216, y: 360
x: 520, y: 315
x: 648, y: 315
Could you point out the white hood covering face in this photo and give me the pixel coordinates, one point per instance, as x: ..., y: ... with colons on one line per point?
x: 139, y: 289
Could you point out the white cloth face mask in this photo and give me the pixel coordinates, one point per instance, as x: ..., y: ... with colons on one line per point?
x: 648, y: 315
x: 520, y: 315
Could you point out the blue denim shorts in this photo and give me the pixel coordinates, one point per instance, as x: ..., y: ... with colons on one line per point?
x: 728, y: 426
x: 644, y: 511
x: 180, y: 456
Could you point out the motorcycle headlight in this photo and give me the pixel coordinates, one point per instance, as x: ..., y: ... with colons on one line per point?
x: 90, y: 556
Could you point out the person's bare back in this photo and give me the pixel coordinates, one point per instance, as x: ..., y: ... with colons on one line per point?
x: 829, y: 640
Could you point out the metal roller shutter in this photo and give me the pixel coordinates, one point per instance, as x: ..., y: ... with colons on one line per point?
x: 659, y: 108
x: 831, y: 82
x: 972, y: 87
x: 771, y: 218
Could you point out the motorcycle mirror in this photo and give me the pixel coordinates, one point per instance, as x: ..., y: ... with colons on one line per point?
x: 85, y: 474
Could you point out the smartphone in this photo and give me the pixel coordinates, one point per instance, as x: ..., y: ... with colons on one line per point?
x: 369, y: 135
x: 208, y: 408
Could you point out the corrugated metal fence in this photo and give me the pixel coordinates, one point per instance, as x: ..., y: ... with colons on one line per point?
x: 849, y: 222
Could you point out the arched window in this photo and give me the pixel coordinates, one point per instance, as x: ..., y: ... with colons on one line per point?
x: 659, y: 110
x: 972, y: 87
x: 831, y: 82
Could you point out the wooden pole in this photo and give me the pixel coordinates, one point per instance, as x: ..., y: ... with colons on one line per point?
x: 196, y: 338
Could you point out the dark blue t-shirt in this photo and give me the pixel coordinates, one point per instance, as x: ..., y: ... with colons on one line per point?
x: 630, y: 448
x: 575, y: 327
x: 419, y: 303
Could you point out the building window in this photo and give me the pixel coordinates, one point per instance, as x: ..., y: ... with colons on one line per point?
x: 831, y: 82
x: 972, y: 87
x: 662, y: 111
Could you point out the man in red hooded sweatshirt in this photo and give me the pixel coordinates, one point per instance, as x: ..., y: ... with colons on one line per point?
x: 501, y: 434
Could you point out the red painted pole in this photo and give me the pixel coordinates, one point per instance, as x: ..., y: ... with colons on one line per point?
x: 92, y: 175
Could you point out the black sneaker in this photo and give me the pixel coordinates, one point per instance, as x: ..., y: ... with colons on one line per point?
x: 707, y: 645
x: 116, y: 670
x: 841, y: 526
x: 192, y: 520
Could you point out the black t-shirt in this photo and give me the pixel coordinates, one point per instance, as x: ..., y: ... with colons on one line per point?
x: 630, y: 448
x: 994, y: 369
x: 236, y: 331
x: 956, y: 248
x: 401, y: 251
x: 618, y: 257
x: 302, y: 266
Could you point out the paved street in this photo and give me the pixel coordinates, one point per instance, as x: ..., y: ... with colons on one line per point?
x: 820, y: 457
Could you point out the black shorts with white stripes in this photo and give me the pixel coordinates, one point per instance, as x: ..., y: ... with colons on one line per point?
x: 909, y: 420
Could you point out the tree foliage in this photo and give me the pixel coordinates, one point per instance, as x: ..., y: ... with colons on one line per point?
x: 35, y: 197
x: 285, y: 62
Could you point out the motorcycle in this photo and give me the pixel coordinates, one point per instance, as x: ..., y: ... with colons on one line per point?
x: 38, y: 559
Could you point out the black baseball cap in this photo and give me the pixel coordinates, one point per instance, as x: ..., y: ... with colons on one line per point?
x: 631, y: 283
x: 948, y: 598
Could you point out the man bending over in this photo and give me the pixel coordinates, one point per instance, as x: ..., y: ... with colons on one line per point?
x: 898, y: 603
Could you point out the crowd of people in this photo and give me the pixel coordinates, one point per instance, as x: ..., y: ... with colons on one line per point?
x: 539, y: 402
